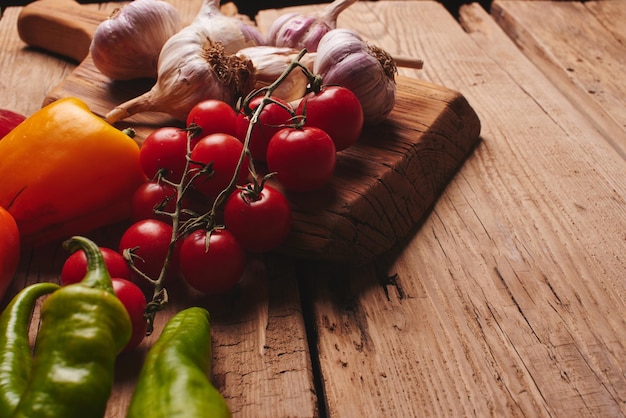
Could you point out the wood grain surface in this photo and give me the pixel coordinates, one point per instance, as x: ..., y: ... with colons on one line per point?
x: 581, y: 47
x: 509, y: 300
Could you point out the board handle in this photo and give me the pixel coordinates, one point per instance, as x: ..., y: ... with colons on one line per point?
x: 63, y: 27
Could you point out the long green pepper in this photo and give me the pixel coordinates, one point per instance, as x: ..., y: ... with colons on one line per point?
x: 15, y: 351
x: 174, y: 382
x: 83, y: 328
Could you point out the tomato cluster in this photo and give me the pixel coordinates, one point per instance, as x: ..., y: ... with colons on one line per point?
x: 204, y: 206
x: 191, y: 168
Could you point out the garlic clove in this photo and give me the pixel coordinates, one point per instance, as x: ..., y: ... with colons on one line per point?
x: 296, y: 30
x: 345, y: 59
x: 270, y: 62
x: 126, y: 46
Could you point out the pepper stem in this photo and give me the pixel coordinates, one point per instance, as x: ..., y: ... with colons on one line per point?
x: 97, y: 275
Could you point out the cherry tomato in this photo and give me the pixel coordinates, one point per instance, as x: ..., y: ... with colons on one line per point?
x: 215, y: 268
x: 9, y: 249
x: 75, y: 267
x: 212, y: 117
x: 151, y: 238
x: 164, y: 149
x: 259, y: 220
x: 335, y: 110
x: 148, y: 197
x: 134, y: 301
x: 223, y: 152
x: 272, y: 119
x: 303, y: 158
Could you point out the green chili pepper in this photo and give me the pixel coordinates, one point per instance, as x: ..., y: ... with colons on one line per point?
x: 15, y: 351
x: 83, y: 328
x: 174, y: 382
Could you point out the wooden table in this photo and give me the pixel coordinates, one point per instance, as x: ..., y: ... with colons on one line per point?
x: 508, y: 300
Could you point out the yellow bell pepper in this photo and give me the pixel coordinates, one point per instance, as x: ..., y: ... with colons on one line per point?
x: 65, y: 171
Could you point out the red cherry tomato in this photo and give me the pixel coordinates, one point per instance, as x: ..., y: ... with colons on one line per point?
x: 272, y: 119
x: 148, y: 197
x: 215, y: 268
x: 223, y: 152
x: 212, y: 117
x: 9, y: 249
x: 151, y: 238
x: 259, y: 220
x: 335, y: 110
x: 75, y: 266
x: 164, y: 149
x: 303, y: 158
x: 134, y: 301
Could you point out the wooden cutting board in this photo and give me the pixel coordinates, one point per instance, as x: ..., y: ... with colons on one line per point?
x: 383, y: 186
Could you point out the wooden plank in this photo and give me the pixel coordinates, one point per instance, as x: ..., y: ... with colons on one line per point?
x: 611, y: 15
x: 581, y: 49
x: 510, y: 299
x: 261, y: 362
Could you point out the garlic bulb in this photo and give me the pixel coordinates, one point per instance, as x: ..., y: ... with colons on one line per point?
x: 232, y: 33
x: 191, y: 69
x: 296, y: 30
x: 344, y: 58
x: 270, y: 62
x: 127, y: 45
x: 198, y: 63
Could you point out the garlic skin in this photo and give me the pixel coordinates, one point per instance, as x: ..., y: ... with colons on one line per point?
x: 126, y: 46
x: 296, y: 30
x: 270, y: 62
x: 345, y: 59
x: 196, y: 64
x: 231, y: 32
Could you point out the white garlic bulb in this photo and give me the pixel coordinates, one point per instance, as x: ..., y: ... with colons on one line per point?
x: 196, y: 64
x: 191, y: 69
x: 127, y: 44
x: 345, y: 59
x: 271, y: 62
x: 297, y: 30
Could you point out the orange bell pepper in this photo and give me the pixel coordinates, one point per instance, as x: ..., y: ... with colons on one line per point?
x: 65, y: 171
x: 9, y: 250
